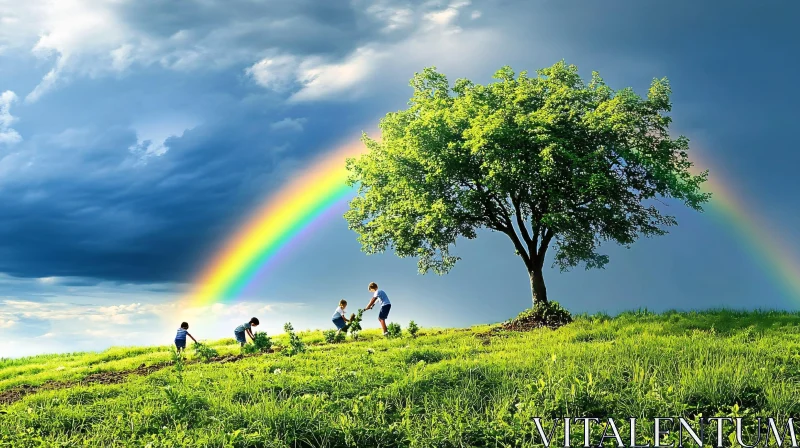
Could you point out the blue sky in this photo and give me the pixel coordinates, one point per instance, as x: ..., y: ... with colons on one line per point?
x: 135, y: 135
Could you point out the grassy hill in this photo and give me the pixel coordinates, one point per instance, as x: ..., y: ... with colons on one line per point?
x: 445, y: 388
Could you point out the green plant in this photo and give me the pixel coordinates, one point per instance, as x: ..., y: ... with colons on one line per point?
x: 295, y: 344
x: 355, y: 324
x: 262, y: 343
x: 394, y: 329
x: 330, y: 336
x: 177, y: 363
x: 413, y: 329
x: 204, y: 352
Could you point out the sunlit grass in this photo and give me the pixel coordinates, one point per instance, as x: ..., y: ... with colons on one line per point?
x: 445, y: 388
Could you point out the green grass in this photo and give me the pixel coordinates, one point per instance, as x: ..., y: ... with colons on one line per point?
x: 444, y: 388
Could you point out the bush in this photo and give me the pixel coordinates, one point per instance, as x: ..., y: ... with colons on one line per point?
x: 204, y: 352
x: 261, y: 343
x: 413, y: 329
x: 330, y: 336
x: 295, y: 344
x: 394, y: 330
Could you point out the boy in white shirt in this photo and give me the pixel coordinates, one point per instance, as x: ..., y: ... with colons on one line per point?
x: 338, y: 317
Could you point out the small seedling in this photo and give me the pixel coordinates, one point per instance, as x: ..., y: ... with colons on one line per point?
x: 394, y: 330
x: 204, y: 352
x: 177, y: 361
x: 295, y: 344
x: 262, y: 343
x: 355, y: 324
x: 330, y: 336
x: 413, y: 329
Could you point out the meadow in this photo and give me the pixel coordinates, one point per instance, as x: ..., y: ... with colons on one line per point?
x: 470, y: 387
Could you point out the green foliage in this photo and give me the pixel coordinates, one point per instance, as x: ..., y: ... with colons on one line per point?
x: 545, y: 159
x: 355, y: 324
x: 443, y: 389
x: 394, y: 330
x: 330, y: 336
x: 296, y: 345
x: 413, y: 329
x: 184, y: 408
x: 204, y: 352
x: 177, y: 363
x: 262, y: 343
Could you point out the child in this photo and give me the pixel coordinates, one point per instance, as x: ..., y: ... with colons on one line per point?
x: 240, y: 331
x: 180, y: 338
x: 383, y: 300
x: 338, y: 317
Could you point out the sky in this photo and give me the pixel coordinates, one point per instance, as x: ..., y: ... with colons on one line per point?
x: 137, y: 135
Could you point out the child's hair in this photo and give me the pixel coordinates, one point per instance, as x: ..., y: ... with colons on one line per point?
x: 343, y: 302
x: 185, y: 325
x: 372, y: 286
x: 254, y: 320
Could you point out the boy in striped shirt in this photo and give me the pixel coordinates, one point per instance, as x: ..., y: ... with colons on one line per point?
x: 180, y: 338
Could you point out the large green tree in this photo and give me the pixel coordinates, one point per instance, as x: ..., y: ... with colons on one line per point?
x: 546, y: 160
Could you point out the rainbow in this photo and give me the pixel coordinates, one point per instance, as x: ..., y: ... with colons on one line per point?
x: 777, y: 261
x: 310, y: 198
x: 279, y: 221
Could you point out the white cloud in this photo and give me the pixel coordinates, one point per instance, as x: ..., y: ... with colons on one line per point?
x: 475, y: 15
x: 79, y: 326
x: 394, y: 18
x: 152, y: 135
x: 8, y: 135
x: 77, y: 33
x: 276, y: 73
x: 316, y: 78
x: 288, y: 124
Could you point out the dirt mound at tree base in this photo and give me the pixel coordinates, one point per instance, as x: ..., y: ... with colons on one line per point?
x: 549, y: 315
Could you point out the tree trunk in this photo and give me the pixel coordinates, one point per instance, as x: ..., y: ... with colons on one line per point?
x: 538, y: 289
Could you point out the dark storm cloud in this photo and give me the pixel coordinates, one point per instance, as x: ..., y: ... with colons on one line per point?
x: 299, y: 27
x: 98, y: 211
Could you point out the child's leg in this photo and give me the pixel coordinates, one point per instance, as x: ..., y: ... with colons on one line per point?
x: 383, y: 325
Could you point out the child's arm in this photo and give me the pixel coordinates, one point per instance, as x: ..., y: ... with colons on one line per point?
x: 250, y: 332
x: 371, y: 303
x: 189, y: 334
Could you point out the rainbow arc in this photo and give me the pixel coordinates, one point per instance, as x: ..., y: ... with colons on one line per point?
x: 320, y: 188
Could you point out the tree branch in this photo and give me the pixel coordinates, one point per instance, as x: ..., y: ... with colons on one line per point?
x: 547, y: 235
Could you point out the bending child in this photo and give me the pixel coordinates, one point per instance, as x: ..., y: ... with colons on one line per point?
x: 378, y: 295
x: 338, y: 318
x: 245, y: 328
x: 180, y: 338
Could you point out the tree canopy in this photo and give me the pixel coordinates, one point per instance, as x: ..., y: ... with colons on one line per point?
x: 548, y: 160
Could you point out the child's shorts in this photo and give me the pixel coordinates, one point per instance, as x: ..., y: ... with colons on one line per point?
x: 384, y: 312
x: 340, y: 323
x: 180, y: 343
x: 240, y: 338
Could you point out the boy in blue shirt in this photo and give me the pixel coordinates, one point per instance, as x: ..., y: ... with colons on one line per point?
x: 378, y: 295
x: 180, y: 338
x: 240, y: 331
